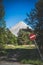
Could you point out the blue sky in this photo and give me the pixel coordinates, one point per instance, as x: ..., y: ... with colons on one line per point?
x: 15, y: 10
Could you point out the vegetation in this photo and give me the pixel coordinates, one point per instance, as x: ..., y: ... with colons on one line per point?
x: 2, y: 25
x: 34, y: 62
x: 26, y: 56
x: 6, y: 37
x: 10, y: 38
x: 35, y: 19
x: 23, y: 37
x: 10, y: 46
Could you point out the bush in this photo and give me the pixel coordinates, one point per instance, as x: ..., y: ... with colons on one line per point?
x: 34, y: 62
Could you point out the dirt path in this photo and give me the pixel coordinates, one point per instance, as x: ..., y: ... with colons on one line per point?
x: 11, y: 63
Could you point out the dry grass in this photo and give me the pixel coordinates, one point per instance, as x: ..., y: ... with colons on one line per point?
x: 7, y: 46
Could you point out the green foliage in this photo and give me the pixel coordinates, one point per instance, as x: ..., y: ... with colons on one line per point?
x: 23, y: 37
x: 10, y: 38
x: 2, y: 25
x: 6, y: 37
x: 2, y: 12
x: 34, y: 62
x: 35, y: 19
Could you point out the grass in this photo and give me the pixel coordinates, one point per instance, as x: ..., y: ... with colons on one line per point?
x: 19, y: 46
x: 34, y: 62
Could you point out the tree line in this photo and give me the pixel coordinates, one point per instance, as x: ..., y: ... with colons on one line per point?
x: 35, y: 19
x: 6, y: 37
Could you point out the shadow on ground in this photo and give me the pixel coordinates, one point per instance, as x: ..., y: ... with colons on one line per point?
x: 16, y: 55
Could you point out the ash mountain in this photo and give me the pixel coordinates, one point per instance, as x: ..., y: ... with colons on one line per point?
x: 21, y: 25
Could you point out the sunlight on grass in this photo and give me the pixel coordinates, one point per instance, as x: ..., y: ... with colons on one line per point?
x: 19, y: 46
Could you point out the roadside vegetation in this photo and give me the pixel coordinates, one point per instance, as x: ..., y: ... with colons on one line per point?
x: 21, y: 55
x: 19, y: 46
x: 34, y: 62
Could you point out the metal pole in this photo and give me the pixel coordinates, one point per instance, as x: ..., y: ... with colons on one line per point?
x: 38, y: 50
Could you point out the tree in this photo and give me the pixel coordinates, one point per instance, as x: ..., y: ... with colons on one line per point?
x: 2, y: 13
x: 35, y: 19
x: 10, y: 38
x: 39, y: 8
x: 2, y: 24
x: 23, y: 37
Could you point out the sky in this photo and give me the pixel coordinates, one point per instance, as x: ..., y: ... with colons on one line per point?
x: 15, y: 10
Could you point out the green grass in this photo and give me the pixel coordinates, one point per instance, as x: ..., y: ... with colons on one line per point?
x: 34, y: 62
x: 19, y: 46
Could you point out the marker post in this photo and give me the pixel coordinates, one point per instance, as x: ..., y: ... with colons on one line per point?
x: 32, y: 37
x: 38, y: 50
